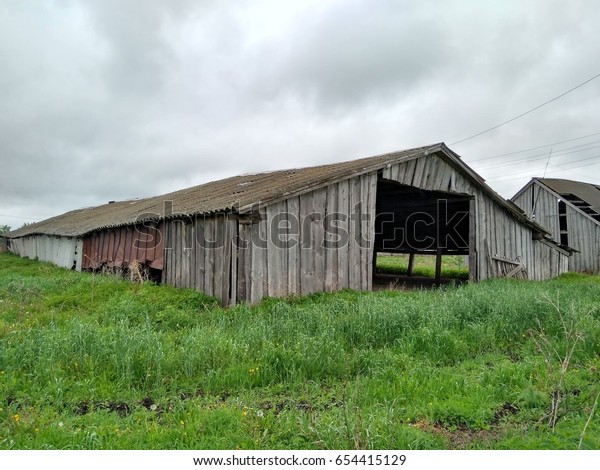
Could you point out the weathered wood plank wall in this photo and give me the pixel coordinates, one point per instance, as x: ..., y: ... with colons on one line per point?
x: 549, y: 262
x: 200, y: 254
x: 583, y: 233
x: 541, y: 206
x: 320, y: 241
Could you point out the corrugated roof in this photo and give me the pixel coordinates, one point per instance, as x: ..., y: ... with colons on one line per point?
x: 586, y: 192
x: 239, y: 193
x: 216, y: 196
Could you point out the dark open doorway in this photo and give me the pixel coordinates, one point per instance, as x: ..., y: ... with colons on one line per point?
x: 418, y: 224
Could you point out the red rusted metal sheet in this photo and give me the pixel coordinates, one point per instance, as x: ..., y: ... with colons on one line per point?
x: 117, y: 247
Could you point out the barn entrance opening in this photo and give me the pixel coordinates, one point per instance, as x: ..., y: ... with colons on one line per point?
x: 422, y: 238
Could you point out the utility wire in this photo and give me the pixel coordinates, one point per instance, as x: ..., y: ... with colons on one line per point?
x: 573, y: 164
x: 554, y: 169
x: 526, y: 112
x: 532, y: 158
x: 541, y: 147
x: 20, y: 217
x: 580, y: 175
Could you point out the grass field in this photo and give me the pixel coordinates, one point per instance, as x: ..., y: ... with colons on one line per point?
x: 94, y: 362
x: 453, y: 267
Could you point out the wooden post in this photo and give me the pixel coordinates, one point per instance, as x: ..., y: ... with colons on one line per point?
x: 473, y: 276
x: 411, y: 264
x: 491, y: 262
x: 374, y: 261
x: 438, y: 267
x: 244, y: 265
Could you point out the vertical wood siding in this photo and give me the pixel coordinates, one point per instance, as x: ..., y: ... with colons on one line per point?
x: 549, y: 262
x: 200, y: 254
x: 584, y: 236
x: 321, y: 241
x: 583, y: 233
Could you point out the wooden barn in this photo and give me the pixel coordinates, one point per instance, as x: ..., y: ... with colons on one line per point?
x: 570, y: 211
x: 300, y: 231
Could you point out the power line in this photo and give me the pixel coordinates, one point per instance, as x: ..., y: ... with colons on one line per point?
x: 20, y: 217
x: 541, y: 147
x: 527, y: 112
x: 554, y: 169
x: 576, y: 164
x: 539, y: 156
x: 581, y: 175
x: 562, y: 166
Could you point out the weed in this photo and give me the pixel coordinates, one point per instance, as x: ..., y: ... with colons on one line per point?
x: 558, y: 355
x: 95, y: 361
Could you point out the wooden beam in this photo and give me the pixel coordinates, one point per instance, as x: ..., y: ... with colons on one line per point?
x: 438, y: 267
x: 374, y: 261
x: 506, y: 260
x: 515, y: 270
x: 411, y: 264
x: 473, y: 276
x: 491, y: 264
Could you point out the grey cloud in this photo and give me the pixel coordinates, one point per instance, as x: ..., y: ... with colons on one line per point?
x: 112, y: 99
x: 137, y: 53
x: 358, y: 51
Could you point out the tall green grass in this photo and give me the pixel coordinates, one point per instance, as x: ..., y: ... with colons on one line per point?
x: 453, y: 266
x: 91, y: 361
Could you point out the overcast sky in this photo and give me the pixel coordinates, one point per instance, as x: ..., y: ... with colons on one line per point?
x: 115, y: 99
